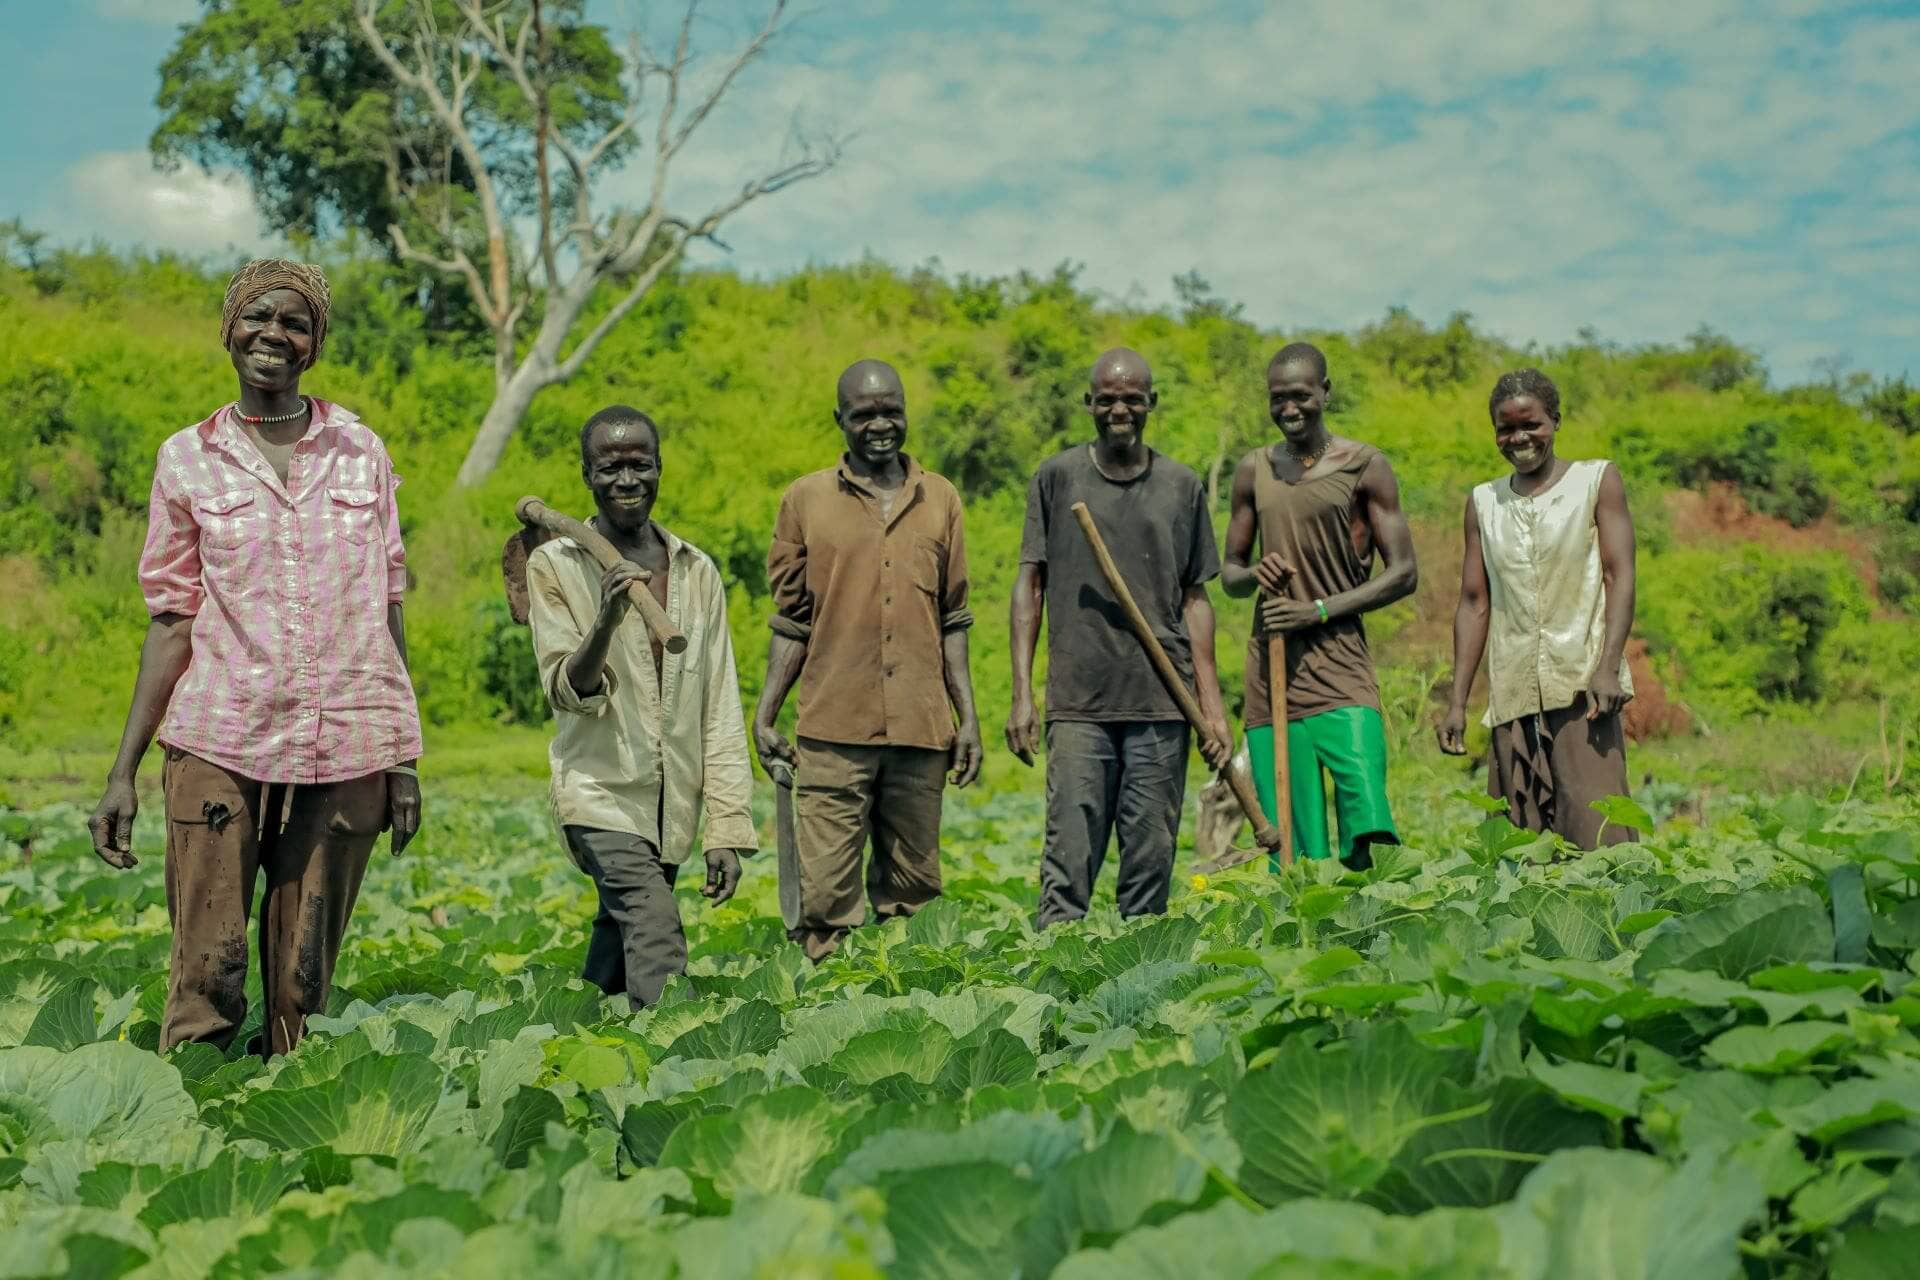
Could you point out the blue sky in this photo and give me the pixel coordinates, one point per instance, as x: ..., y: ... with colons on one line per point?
x: 1637, y: 166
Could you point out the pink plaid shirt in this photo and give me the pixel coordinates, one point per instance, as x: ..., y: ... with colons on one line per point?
x: 294, y: 676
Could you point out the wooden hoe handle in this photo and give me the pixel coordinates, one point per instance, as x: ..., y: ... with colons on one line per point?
x: 539, y: 515
x: 1242, y: 785
x: 1282, y: 772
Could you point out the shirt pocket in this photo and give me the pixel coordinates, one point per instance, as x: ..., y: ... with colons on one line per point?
x: 924, y: 563
x: 230, y: 520
x: 353, y: 514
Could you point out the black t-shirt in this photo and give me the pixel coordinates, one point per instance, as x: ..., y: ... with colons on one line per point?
x: 1160, y: 533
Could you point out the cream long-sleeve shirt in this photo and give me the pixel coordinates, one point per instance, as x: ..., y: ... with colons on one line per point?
x: 615, y: 753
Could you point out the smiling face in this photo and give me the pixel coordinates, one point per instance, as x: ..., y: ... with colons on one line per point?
x: 271, y: 343
x: 1297, y: 398
x: 872, y: 414
x: 1523, y: 431
x: 621, y: 464
x: 1121, y: 399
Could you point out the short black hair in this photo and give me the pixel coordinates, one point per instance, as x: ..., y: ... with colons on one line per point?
x: 1525, y: 382
x: 612, y: 414
x: 1301, y: 351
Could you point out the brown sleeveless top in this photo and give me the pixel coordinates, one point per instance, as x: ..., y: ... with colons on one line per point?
x: 1317, y: 527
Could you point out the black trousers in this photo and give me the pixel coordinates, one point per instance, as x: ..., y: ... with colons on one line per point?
x: 1103, y: 779
x: 637, y: 942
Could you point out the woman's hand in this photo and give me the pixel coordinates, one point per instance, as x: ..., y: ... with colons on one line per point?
x: 1606, y: 696
x: 403, y: 809
x: 111, y: 825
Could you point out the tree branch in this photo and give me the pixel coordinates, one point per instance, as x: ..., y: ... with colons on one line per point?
x: 810, y: 166
x: 496, y: 303
x: 458, y: 265
x: 574, y: 362
x: 754, y: 48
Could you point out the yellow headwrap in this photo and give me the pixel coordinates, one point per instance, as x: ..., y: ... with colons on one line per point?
x: 263, y: 275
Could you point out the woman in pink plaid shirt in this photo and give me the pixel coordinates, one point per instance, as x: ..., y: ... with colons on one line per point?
x: 274, y: 673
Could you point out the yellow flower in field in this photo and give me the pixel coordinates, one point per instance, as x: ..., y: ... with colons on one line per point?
x: 1199, y: 883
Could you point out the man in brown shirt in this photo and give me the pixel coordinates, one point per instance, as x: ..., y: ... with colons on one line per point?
x: 868, y: 570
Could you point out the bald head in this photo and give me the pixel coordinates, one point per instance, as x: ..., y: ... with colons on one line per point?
x: 868, y: 377
x: 1123, y: 362
x: 1121, y: 397
x: 872, y: 414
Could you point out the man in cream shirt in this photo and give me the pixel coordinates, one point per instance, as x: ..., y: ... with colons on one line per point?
x: 645, y: 739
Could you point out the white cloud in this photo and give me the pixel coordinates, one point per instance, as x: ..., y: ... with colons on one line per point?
x: 120, y: 197
x: 158, y: 11
x: 1639, y: 166
x: 1642, y: 167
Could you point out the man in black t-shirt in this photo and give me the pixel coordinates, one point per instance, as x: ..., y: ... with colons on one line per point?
x: 1116, y: 741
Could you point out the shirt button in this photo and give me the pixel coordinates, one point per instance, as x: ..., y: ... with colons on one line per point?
x: 886, y: 599
x: 886, y: 564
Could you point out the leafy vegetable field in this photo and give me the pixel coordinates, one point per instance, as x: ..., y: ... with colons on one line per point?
x: 1693, y: 1058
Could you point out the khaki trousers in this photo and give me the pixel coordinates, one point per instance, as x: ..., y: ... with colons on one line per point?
x: 223, y: 832
x: 843, y: 795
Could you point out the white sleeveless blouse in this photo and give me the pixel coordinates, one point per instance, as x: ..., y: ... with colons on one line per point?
x: 1547, y: 599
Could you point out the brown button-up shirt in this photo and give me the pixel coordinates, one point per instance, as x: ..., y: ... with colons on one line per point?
x: 871, y: 595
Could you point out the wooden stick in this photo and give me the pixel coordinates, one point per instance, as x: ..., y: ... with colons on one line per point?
x: 538, y: 514
x: 1282, y: 779
x: 1241, y: 783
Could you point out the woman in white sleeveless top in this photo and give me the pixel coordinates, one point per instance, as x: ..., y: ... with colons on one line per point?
x: 1546, y: 592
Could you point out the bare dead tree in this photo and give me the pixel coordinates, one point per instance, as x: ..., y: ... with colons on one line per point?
x: 1893, y: 748
x: 577, y: 250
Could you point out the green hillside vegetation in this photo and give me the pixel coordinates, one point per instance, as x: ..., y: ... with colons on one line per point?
x: 1792, y: 602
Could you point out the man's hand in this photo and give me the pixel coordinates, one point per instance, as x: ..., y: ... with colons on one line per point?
x: 1452, y: 731
x: 770, y: 746
x: 1281, y: 615
x: 403, y: 809
x: 723, y: 875
x: 1023, y: 729
x: 1605, y: 697
x: 111, y: 825
x: 965, y: 757
x: 614, y: 599
x: 1216, y: 744
x: 1272, y: 573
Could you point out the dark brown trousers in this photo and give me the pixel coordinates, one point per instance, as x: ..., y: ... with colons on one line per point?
x: 1552, y: 766
x: 845, y: 796
x: 223, y: 832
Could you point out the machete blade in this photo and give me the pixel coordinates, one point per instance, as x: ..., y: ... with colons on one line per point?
x: 785, y: 844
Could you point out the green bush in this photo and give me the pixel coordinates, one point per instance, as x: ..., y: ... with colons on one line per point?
x: 95, y: 373
x: 1746, y: 626
x: 507, y: 670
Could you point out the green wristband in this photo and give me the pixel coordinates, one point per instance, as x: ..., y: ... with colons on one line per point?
x: 1321, y: 605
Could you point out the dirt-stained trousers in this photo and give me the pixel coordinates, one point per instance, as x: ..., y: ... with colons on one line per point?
x: 224, y: 832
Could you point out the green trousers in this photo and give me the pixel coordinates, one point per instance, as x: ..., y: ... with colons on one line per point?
x: 1350, y: 745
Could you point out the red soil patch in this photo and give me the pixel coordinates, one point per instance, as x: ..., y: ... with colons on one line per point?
x: 1720, y: 514
x: 1651, y: 714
